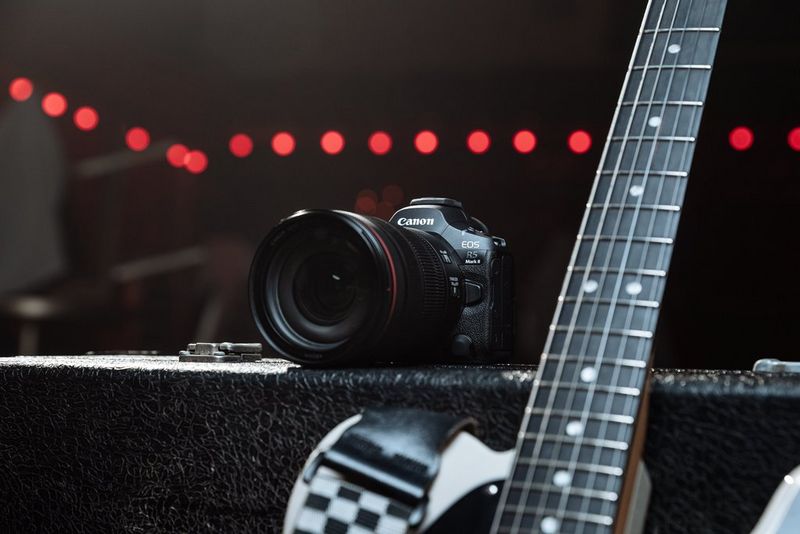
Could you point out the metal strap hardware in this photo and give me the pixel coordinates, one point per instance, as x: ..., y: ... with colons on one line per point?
x: 226, y: 352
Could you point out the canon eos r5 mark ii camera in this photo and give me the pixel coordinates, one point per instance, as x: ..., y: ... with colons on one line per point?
x: 332, y: 287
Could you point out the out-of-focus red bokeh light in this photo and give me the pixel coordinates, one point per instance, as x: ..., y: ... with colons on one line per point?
x: 741, y: 138
x: 478, y: 142
x: 241, y: 145
x: 196, y: 161
x: 20, y: 89
x: 426, y: 142
x: 86, y: 118
x: 332, y: 142
x: 579, y: 141
x: 393, y: 194
x: 54, y: 104
x: 137, y: 139
x: 176, y: 155
x: 524, y: 141
x: 283, y: 143
x: 380, y: 143
x: 794, y: 139
x: 366, y: 202
x: 384, y: 210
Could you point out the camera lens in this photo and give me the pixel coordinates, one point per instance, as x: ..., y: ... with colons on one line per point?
x: 327, y: 287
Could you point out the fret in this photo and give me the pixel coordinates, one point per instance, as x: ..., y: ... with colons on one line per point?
x: 594, y: 433
x: 687, y: 14
x: 628, y: 186
x: 603, y: 374
x: 579, y: 482
x: 654, y: 122
x: 620, y: 332
x: 635, y: 239
x: 663, y: 207
x: 673, y: 82
x: 652, y: 256
x: 619, y: 362
x: 615, y: 270
x: 668, y: 30
x: 633, y: 392
x: 618, y: 318
x: 610, y: 417
x: 635, y: 138
x: 589, y: 468
x: 621, y: 221
x: 581, y: 492
x: 672, y: 67
x: 591, y: 302
x: 679, y: 48
x: 662, y: 103
x: 566, y: 514
x: 677, y: 174
x: 571, y: 452
x: 596, y: 401
x: 582, y: 344
x: 649, y: 154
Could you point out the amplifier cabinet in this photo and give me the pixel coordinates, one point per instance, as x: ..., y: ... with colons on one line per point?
x: 148, y: 443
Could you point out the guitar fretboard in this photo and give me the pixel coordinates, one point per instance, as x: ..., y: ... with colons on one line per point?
x: 573, y: 446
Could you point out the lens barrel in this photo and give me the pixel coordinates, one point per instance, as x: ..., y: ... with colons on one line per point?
x: 331, y: 287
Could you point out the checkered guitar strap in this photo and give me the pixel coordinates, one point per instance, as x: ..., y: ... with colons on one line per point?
x: 338, y: 507
x: 375, y: 477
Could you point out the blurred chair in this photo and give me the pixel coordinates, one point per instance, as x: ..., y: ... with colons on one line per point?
x: 40, y: 287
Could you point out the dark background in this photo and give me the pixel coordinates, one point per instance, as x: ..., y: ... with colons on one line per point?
x: 198, y: 72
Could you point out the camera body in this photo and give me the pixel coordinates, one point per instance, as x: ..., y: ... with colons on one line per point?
x: 332, y: 288
x: 480, y: 276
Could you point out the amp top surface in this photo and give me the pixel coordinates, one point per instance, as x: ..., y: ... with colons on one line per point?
x: 142, y: 443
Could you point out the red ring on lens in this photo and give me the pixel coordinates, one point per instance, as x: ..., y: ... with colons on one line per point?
x: 391, y: 270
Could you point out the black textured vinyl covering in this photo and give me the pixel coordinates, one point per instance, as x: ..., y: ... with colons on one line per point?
x: 143, y: 444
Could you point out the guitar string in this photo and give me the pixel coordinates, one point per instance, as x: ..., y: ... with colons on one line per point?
x: 600, y: 356
x: 671, y: 221
x: 518, y: 513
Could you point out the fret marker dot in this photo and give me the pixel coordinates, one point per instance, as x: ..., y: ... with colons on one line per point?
x: 493, y: 489
x: 590, y: 286
x: 549, y: 525
x: 655, y: 122
x: 633, y: 288
x: 562, y: 478
x: 637, y: 190
x: 588, y: 374
x: 574, y: 428
x: 674, y: 48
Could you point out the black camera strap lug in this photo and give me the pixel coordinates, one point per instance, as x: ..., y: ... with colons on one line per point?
x: 226, y: 352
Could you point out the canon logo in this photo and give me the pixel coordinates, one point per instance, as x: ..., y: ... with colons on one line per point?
x: 402, y: 221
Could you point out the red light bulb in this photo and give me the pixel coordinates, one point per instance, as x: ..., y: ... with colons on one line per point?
x: 478, y: 142
x: 20, y: 89
x: 741, y: 138
x: 86, y: 118
x: 426, y: 142
x: 241, y: 145
x: 283, y: 143
x: 54, y: 104
x: 137, y: 139
x: 524, y: 141
x: 380, y: 143
x: 579, y: 141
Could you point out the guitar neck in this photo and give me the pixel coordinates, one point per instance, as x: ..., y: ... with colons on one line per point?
x: 575, y: 442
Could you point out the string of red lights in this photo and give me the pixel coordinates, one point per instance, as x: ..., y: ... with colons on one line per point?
x: 380, y: 143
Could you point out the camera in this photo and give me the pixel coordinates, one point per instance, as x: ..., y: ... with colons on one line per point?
x: 331, y: 287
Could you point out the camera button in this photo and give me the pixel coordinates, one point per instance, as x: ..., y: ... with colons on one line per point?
x: 461, y: 346
x: 473, y: 293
